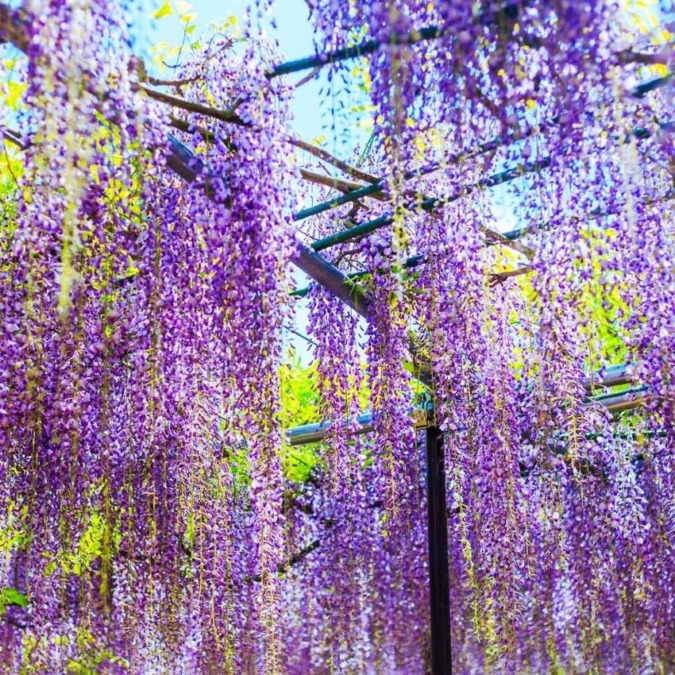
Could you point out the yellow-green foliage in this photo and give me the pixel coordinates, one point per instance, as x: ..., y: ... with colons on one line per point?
x: 92, y: 659
x: 299, y: 405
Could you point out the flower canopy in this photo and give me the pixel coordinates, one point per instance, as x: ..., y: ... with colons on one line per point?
x: 149, y: 520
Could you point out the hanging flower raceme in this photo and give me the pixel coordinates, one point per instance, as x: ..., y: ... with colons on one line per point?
x: 68, y: 251
x: 340, y: 380
x: 113, y: 399
x: 389, y: 382
x: 245, y: 237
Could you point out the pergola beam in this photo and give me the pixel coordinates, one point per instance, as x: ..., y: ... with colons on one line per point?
x: 189, y: 167
x: 346, y: 53
x: 378, y: 188
x: 615, y: 402
x: 508, y: 11
x: 431, y: 203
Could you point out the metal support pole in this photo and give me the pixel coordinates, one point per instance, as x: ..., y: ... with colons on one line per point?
x: 439, y: 583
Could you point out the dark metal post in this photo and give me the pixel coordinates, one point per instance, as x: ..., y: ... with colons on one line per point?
x: 439, y: 583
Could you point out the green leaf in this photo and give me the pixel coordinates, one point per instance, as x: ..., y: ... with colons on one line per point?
x: 15, y: 92
x: 165, y: 10
x: 11, y: 597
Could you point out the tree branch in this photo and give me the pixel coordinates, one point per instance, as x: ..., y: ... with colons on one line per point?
x: 293, y: 560
x: 191, y: 106
x: 231, y: 117
x: 501, y: 277
x: 326, y: 156
x: 14, y: 138
x: 629, y: 56
x: 12, y: 27
x: 345, y: 186
x: 307, y: 78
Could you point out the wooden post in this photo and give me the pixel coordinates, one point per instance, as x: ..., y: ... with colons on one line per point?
x: 439, y: 584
